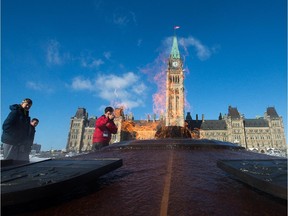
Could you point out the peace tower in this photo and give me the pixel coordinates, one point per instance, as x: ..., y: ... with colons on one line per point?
x: 175, y: 88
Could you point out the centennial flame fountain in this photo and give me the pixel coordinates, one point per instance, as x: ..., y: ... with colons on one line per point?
x: 167, y: 170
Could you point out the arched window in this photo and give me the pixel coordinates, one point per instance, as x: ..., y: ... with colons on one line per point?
x: 177, y: 103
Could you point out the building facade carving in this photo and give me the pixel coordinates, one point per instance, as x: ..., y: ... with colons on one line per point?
x: 259, y: 134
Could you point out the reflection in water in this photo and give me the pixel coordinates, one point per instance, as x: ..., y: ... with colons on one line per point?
x: 168, y: 182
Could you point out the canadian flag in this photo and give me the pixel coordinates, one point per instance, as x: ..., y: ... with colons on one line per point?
x: 176, y: 27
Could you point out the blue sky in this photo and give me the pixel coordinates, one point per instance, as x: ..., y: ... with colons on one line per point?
x: 65, y: 54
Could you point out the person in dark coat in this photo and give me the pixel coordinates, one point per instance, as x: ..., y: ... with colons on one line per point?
x: 16, y: 130
x: 31, y: 134
x: 104, y: 127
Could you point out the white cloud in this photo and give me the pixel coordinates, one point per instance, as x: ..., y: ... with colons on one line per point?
x: 122, y: 17
x: 139, y: 89
x: 52, y: 53
x: 37, y: 86
x: 79, y: 83
x: 87, y: 59
x: 120, y: 20
x: 130, y: 104
x: 91, y: 62
x: 107, y: 55
x: 202, y: 51
x: 54, y: 56
x: 125, y: 90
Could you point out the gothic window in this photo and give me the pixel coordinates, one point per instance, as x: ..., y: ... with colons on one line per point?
x: 170, y: 104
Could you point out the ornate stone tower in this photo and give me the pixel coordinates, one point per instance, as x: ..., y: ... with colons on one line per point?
x: 175, y: 88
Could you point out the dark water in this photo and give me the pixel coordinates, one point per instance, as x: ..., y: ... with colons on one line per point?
x: 165, y: 182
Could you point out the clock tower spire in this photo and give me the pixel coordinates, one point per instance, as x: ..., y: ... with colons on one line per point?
x: 175, y: 88
x: 175, y: 51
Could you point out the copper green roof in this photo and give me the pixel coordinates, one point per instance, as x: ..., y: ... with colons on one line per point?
x: 175, y: 51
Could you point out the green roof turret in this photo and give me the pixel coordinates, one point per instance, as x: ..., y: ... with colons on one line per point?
x: 175, y: 51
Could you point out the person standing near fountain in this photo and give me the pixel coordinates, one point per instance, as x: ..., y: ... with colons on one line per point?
x: 16, y: 131
x: 104, y: 127
x: 30, y: 139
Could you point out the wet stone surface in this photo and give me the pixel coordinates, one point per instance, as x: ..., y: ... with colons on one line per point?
x: 268, y: 175
x: 167, y: 181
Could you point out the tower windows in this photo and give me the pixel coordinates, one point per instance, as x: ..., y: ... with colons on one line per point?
x: 177, y: 104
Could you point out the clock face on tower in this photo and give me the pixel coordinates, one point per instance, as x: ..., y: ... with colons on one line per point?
x: 175, y: 64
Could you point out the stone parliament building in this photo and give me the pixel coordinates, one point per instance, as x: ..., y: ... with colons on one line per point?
x: 259, y: 134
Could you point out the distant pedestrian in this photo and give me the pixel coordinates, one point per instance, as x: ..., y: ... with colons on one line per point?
x: 104, y: 127
x: 31, y: 134
x: 16, y: 130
